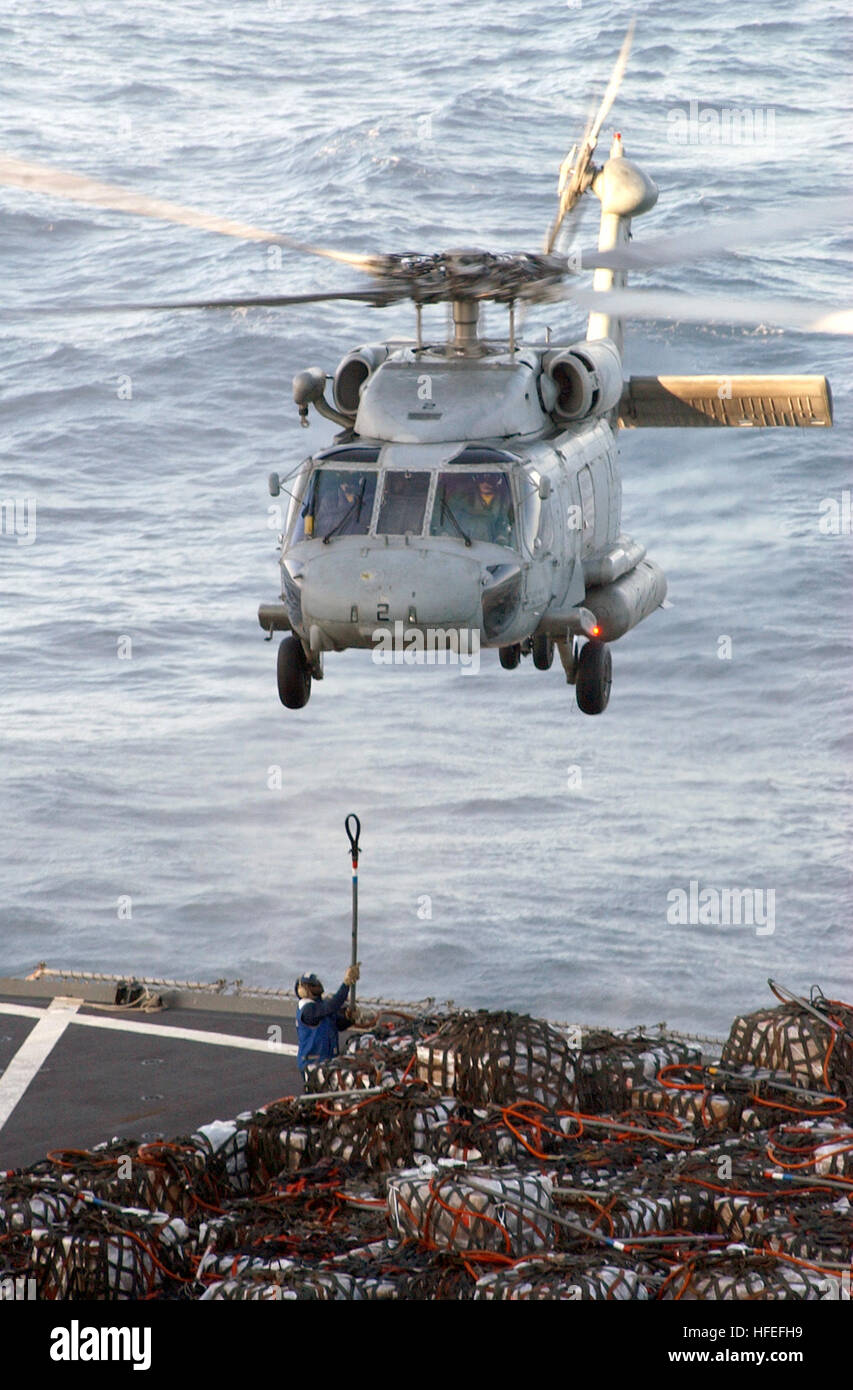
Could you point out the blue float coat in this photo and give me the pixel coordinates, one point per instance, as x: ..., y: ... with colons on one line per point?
x: 317, y: 1028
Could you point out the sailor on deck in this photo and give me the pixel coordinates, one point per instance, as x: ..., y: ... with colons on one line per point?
x: 319, y: 1020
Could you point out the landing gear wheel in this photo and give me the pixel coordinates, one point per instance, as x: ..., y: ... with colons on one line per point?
x: 595, y: 676
x: 543, y: 653
x: 510, y: 656
x: 294, y: 674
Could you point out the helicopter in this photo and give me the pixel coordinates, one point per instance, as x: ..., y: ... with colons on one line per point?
x: 473, y: 492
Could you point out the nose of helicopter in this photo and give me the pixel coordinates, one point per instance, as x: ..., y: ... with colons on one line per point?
x: 350, y: 590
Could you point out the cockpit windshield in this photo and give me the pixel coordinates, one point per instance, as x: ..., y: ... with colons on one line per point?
x: 473, y: 506
x: 404, y: 498
x: 339, y: 502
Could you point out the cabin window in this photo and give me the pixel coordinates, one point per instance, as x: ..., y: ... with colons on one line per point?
x: 473, y: 506
x: 404, y: 499
x: 339, y: 502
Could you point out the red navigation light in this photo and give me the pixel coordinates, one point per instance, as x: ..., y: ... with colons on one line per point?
x: 596, y: 631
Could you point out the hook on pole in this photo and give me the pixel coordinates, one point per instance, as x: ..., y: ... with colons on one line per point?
x: 352, y: 836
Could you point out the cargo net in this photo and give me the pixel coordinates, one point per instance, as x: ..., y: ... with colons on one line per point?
x: 29, y: 1203
x: 168, y: 1177
x: 380, y: 1132
x: 485, y: 1058
x: 290, y: 1282
x: 729, y: 1189
x: 612, y: 1067
x: 485, y: 1142
x: 739, y: 1275
x: 719, y: 1098
x: 791, y: 1039
x: 380, y: 1271
x: 815, y: 1236
x: 387, y: 1052
x: 112, y: 1255
x: 815, y: 1150
x: 584, y: 1217
x: 408, y: 1270
x: 568, y: 1278
x: 324, y: 1212
x: 473, y: 1211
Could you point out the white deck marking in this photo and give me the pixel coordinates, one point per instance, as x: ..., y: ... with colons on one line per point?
x: 34, y: 1051
x: 161, y: 1030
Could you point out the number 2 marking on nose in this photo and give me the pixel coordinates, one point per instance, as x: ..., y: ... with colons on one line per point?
x: 382, y: 613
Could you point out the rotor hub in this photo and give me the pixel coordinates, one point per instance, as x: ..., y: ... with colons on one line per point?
x: 469, y: 274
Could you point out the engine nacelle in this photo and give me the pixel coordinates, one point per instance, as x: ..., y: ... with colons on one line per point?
x: 353, y: 372
x: 588, y: 378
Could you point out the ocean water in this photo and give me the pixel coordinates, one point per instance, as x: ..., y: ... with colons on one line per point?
x: 161, y: 812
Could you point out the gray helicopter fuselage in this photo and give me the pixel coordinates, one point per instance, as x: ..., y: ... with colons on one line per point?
x: 433, y: 434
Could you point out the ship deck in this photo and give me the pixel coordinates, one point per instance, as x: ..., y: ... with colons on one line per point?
x: 75, y: 1070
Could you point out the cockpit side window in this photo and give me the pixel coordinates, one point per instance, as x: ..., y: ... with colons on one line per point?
x: 338, y: 501
x: 404, y: 498
x: 473, y: 506
x: 295, y: 518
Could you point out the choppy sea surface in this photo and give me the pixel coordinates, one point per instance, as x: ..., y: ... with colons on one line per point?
x: 161, y: 812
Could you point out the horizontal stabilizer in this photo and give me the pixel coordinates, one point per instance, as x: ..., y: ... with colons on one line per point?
x: 676, y: 401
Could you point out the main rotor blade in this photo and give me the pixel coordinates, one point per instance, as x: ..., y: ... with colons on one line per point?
x: 661, y: 304
x: 573, y: 177
x: 78, y: 188
x: 719, y: 237
x: 268, y: 301
x: 612, y: 87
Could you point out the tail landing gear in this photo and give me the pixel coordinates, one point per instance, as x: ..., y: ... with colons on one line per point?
x: 294, y: 674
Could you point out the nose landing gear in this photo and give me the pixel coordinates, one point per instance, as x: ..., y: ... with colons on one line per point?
x: 294, y: 673
x: 509, y: 657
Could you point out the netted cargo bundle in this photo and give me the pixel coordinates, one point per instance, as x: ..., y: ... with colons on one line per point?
x: 812, y: 1150
x: 791, y: 1039
x: 731, y: 1182
x: 28, y: 1203
x: 349, y: 1073
x: 618, y: 1215
x: 386, y: 1052
x: 566, y: 1278
x: 481, y: 1136
x: 171, y: 1177
x: 294, y: 1283
x: 473, y: 1210
x: 705, y: 1110
x: 408, y: 1270
x: 734, y: 1216
x: 394, y: 1029
x: 736, y: 1275
x: 612, y: 1065
x: 497, y: 1058
x: 382, y: 1132
x: 821, y: 1236
x: 120, y: 1255
x: 288, y: 1132
x: 229, y: 1151
x: 328, y: 1215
